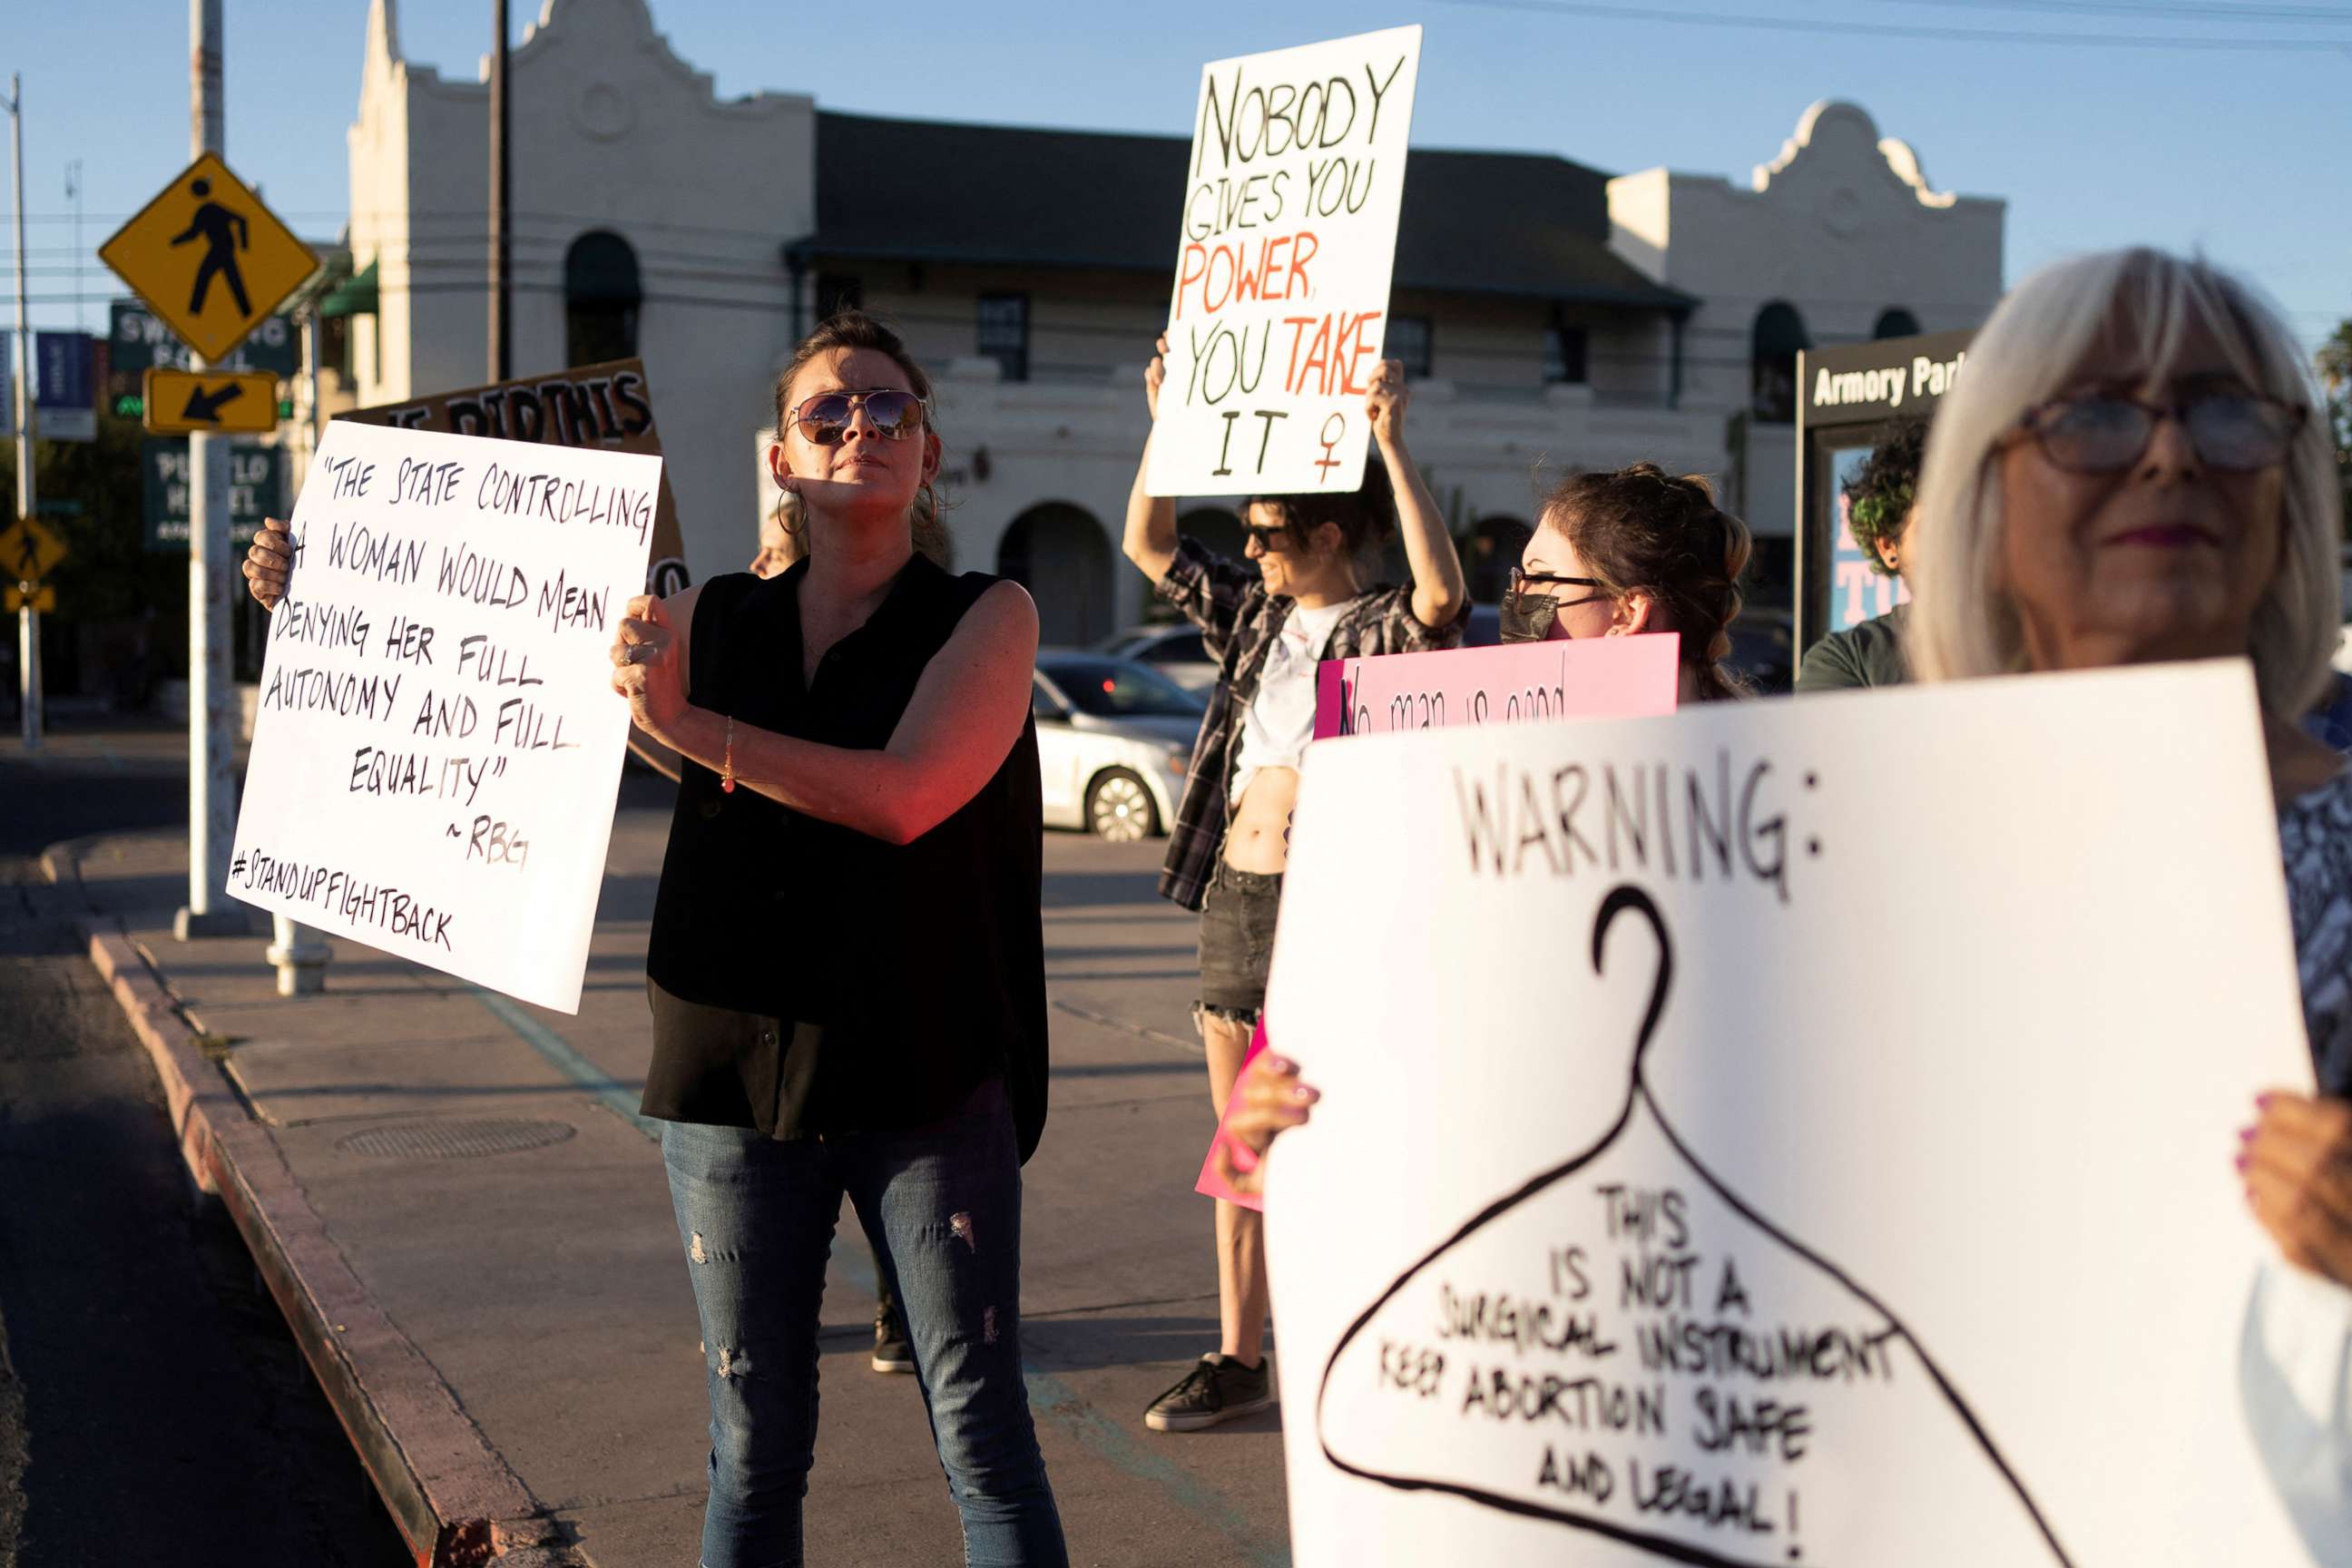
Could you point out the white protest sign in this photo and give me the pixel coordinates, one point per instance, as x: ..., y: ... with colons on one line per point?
x: 1289, y: 237
x: 1785, y: 1133
x: 437, y: 746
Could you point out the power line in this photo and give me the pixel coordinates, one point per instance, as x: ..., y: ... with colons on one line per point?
x: 2321, y: 16
x: 1903, y: 30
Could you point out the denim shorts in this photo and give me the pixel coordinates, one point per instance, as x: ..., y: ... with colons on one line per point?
x: 1237, y: 941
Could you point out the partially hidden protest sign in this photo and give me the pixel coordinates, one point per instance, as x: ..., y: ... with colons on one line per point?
x: 608, y: 406
x: 1588, y: 678
x: 1288, y: 238
x: 437, y: 746
x: 1730, y: 1172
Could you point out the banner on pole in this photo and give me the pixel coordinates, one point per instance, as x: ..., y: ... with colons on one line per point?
x: 1287, y: 239
x: 437, y: 745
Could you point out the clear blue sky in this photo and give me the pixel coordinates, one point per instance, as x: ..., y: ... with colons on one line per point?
x: 2240, y: 152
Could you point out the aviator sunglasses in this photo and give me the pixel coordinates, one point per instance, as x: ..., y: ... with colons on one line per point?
x: 824, y: 418
x: 2232, y: 431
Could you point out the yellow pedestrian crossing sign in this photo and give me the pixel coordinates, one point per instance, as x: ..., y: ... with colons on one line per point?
x: 210, y: 260
x: 178, y: 401
x: 44, y: 600
x: 28, y: 551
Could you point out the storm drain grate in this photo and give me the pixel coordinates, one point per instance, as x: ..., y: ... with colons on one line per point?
x: 453, y: 1140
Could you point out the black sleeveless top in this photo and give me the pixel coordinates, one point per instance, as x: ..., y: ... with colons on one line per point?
x: 808, y: 980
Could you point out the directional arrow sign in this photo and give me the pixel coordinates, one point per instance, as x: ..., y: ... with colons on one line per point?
x: 44, y: 598
x: 208, y: 257
x: 28, y: 551
x: 180, y: 401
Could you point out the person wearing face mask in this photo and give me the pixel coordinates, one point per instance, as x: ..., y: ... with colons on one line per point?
x: 1299, y: 598
x: 1880, y: 507
x: 1634, y: 549
x: 1613, y: 553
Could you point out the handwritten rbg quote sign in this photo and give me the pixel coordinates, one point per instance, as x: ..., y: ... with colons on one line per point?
x: 1282, y: 274
x: 437, y: 745
x: 1712, y: 1183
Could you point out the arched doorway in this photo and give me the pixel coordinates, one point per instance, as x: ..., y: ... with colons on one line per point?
x: 1216, y: 527
x: 1894, y: 322
x: 1489, y: 551
x: 1058, y: 552
x: 602, y: 297
x: 1778, y: 334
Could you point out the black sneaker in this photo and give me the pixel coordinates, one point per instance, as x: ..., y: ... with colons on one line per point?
x: 1220, y: 1389
x: 891, y: 1350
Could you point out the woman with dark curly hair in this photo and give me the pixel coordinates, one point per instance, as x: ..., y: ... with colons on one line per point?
x: 1638, y: 550
x: 1879, y: 504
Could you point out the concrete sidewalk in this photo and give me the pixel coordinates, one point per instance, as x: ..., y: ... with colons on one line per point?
x: 451, y: 1196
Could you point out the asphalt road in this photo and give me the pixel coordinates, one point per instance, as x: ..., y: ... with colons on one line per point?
x: 153, y: 1408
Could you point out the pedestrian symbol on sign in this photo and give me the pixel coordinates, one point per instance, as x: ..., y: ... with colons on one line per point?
x: 209, y: 259
x: 213, y: 223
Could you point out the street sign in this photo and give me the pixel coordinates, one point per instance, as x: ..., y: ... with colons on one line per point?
x: 137, y: 340
x: 29, y: 551
x: 44, y: 598
x: 66, y: 386
x: 209, y: 257
x: 180, y: 401
x: 257, y: 489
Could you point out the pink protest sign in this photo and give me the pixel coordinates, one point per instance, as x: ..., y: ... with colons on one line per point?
x: 1213, y: 1183
x: 1591, y: 678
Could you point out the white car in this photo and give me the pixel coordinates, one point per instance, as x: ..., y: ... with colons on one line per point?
x: 1114, y: 740
x: 1175, y: 652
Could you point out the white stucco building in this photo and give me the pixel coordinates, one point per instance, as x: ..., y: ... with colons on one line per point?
x: 1546, y: 311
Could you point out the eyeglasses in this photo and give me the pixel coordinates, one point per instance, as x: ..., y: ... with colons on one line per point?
x: 1520, y: 587
x: 1266, y: 538
x: 824, y: 418
x: 2106, y: 432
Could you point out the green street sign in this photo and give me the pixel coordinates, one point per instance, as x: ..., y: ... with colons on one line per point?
x: 257, y: 489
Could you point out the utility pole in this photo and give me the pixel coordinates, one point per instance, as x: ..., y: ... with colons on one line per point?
x: 501, y: 332
x: 28, y: 619
x: 73, y: 195
x: 299, y: 953
x: 212, y: 695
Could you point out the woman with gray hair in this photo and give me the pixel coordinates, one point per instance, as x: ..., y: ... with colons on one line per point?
x: 2130, y: 473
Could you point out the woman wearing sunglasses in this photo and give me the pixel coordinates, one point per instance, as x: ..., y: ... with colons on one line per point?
x: 1634, y: 549
x: 846, y: 964
x: 1299, y: 599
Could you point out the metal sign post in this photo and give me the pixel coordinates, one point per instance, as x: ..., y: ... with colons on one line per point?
x: 29, y: 613
x: 211, y: 694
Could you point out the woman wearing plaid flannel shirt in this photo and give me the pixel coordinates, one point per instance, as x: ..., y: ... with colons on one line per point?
x: 1300, y: 598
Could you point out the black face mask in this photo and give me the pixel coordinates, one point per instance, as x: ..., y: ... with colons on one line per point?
x: 1532, y: 623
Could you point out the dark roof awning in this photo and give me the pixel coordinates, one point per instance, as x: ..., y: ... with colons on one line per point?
x: 1512, y: 224
x: 354, y: 296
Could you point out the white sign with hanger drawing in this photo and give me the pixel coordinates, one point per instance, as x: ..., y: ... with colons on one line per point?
x: 1786, y: 1133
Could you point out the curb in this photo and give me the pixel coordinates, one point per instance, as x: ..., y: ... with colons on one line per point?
x: 452, y: 1498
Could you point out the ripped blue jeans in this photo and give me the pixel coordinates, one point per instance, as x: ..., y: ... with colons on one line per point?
x: 756, y: 1216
